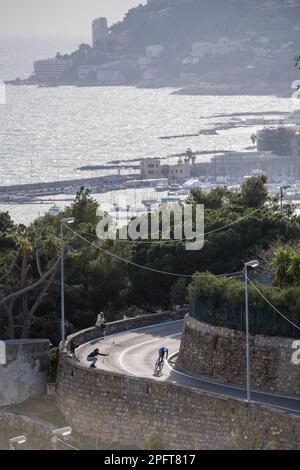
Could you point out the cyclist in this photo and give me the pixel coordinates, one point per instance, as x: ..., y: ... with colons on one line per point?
x: 162, y: 353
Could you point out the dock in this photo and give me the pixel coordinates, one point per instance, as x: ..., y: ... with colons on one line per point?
x: 32, y: 193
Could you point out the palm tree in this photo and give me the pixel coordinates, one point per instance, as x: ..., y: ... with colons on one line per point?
x: 281, y: 265
x: 294, y: 269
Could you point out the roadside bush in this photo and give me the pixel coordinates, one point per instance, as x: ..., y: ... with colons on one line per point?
x: 54, y: 358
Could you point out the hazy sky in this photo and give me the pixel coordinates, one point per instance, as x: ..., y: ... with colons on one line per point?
x: 58, y: 18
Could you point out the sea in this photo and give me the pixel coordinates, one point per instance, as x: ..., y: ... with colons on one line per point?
x: 48, y: 134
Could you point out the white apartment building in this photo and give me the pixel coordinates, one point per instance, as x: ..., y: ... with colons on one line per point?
x: 151, y: 73
x: 152, y: 168
x: 144, y: 62
x: 88, y: 72
x: 154, y: 50
x: 51, y: 70
x: 110, y: 77
x: 200, y: 49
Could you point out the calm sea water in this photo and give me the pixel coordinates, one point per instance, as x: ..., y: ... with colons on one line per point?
x: 18, y: 54
x: 46, y: 134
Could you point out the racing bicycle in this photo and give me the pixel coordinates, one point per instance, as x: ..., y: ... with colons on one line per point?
x: 159, y: 366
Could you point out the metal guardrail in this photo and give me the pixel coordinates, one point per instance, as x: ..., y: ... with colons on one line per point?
x: 261, y: 322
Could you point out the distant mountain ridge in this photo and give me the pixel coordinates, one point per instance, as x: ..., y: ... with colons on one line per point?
x: 253, y: 41
x: 179, y: 23
x: 207, y: 46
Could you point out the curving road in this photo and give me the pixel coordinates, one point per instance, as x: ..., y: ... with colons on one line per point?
x: 135, y: 352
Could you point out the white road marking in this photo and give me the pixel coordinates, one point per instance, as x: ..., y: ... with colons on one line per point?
x: 230, y: 387
x: 129, y: 331
x: 120, y: 358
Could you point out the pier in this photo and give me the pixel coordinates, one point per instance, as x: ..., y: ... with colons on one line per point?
x: 32, y: 193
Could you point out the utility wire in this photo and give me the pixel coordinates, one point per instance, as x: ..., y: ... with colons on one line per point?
x: 66, y: 444
x: 197, y: 236
x: 180, y: 275
x: 146, y: 268
x: 271, y: 305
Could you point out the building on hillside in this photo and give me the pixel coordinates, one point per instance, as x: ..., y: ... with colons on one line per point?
x: 154, y: 51
x: 231, y: 167
x: 144, y: 62
x: 110, y: 77
x: 51, y: 70
x: 151, y: 73
x: 88, y: 73
x: 100, y: 32
x: 100, y: 75
x: 152, y: 168
x: 223, y: 47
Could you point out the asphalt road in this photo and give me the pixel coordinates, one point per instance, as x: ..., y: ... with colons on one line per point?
x: 135, y: 353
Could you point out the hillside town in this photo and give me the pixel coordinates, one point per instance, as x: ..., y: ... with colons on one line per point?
x: 191, y: 60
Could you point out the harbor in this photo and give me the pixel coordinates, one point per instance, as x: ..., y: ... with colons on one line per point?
x: 37, y: 192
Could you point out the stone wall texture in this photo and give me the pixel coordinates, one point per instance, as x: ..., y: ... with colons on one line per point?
x: 12, y: 425
x: 220, y: 353
x: 119, y: 408
x: 25, y: 373
x: 94, y: 332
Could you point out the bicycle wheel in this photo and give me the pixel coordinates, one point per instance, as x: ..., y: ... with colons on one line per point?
x: 158, y: 367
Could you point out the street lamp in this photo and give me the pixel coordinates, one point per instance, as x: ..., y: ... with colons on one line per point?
x: 61, y: 432
x: 282, y: 188
x: 68, y: 220
x: 16, y: 440
x: 249, y: 264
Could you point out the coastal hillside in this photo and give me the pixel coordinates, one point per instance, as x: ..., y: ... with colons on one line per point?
x: 249, y: 40
x: 202, y: 46
x: 177, y: 24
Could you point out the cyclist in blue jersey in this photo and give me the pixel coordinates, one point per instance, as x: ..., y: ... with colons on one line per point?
x: 162, y: 354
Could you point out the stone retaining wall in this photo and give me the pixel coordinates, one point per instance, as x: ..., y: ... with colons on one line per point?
x: 26, y: 370
x: 90, y: 334
x: 12, y: 425
x: 220, y: 353
x: 115, y: 407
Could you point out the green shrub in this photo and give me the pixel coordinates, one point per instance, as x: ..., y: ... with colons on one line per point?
x: 221, y: 302
x: 54, y: 358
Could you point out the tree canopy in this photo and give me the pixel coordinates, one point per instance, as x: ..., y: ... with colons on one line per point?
x: 238, y: 226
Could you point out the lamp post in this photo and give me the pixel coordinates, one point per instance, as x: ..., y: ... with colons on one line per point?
x: 57, y: 433
x: 16, y: 440
x: 249, y: 264
x: 282, y: 188
x: 68, y: 220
